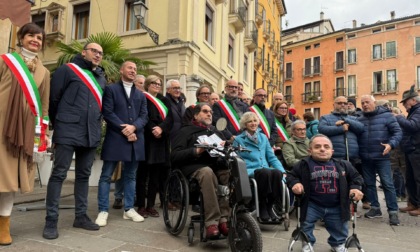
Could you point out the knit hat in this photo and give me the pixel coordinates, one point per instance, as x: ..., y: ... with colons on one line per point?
x: 352, y: 100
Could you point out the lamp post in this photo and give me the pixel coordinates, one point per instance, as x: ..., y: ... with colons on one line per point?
x: 270, y: 89
x: 140, y: 11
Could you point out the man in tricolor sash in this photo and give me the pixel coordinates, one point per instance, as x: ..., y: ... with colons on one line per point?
x: 75, y: 114
x: 231, y: 108
x: 266, y: 116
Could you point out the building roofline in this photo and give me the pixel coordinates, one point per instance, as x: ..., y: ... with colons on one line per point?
x: 297, y: 28
x: 315, y: 38
x: 379, y: 23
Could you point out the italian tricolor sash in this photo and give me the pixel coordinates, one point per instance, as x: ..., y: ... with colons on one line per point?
x: 263, y: 120
x: 31, y: 93
x: 230, y: 113
x: 90, y: 81
x: 282, y: 131
x: 161, y: 107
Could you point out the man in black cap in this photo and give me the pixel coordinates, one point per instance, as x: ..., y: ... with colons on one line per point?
x: 352, y: 109
x: 410, y: 145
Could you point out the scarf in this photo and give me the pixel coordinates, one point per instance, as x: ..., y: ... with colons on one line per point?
x: 253, y: 138
x: 199, y: 124
x: 19, y: 125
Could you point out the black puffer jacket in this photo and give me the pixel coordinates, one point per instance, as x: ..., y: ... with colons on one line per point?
x: 184, y: 156
x: 411, y: 129
x: 74, y: 112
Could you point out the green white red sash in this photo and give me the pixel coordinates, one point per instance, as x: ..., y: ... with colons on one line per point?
x: 230, y: 113
x: 281, y: 131
x: 263, y: 120
x: 90, y: 81
x: 161, y: 107
x: 31, y: 93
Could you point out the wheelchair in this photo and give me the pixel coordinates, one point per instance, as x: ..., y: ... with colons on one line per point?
x: 281, y: 207
x: 244, y: 232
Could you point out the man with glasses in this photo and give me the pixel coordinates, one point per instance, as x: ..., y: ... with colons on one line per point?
x: 230, y: 108
x: 75, y: 114
x: 173, y: 93
x: 197, y: 163
x: 266, y: 116
x: 203, y: 96
x: 297, y: 146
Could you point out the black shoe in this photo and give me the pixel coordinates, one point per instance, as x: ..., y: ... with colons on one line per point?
x: 117, y: 204
x: 50, y: 230
x: 271, y: 213
x: 263, y: 212
x: 393, y: 220
x: 84, y: 222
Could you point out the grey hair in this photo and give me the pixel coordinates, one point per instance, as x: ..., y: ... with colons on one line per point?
x: 248, y: 116
x: 138, y: 76
x: 297, y: 122
x: 370, y: 97
x: 169, y: 83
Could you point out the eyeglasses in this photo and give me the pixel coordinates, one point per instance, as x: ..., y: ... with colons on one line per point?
x: 283, y: 108
x: 94, y: 51
x: 300, y: 129
x: 156, y: 84
x: 341, y: 103
x: 177, y: 88
x: 205, y: 93
x: 261, y: 95
x: 205, y: 111
x: 232, y: 87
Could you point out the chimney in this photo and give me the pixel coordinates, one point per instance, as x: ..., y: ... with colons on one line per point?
x: 392, y: 15
x: 322, y: 15
x: 354, y: 23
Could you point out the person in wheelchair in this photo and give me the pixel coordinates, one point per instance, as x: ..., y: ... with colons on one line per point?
x: 198, y: 164
x: 261, y: 163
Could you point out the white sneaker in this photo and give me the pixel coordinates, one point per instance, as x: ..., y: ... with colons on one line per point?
x: 339, y: 248
x: 133, y: 215
x: 102, y: 218
x: 306, y: 248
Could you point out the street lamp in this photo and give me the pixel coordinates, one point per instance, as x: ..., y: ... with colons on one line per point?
x: 140, y: 12
x: 270, y: 87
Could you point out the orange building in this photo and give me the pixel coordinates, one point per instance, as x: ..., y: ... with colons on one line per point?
x: 382, y: 59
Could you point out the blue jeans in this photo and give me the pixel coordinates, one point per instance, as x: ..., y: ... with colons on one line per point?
x: 336, y: 227
x: 63, y: 157
x: 129, y: 178
x: 119, y: 186
x: 383, y: 169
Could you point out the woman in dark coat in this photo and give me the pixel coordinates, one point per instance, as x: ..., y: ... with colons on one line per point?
x: 156, y: 135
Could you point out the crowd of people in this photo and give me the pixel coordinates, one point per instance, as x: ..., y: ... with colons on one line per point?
x: 148, y: 133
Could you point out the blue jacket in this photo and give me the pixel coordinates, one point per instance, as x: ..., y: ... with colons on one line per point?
x: 411, y: 129
x: 74, y: 113
x: 380, y: 127
x: 337, y: 135
x: 312, y: 128
x: 261, y: 155
x: 118, y: 109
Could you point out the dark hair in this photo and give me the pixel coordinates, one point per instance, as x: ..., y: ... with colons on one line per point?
x: 197, y: 107
x: 309, y: 116
x: 31, y: 28
x: 198, y: 91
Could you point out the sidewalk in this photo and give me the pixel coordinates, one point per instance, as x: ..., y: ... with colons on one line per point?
x: 124, y: 235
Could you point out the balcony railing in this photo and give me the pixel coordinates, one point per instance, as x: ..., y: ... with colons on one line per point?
x: 390, y: 87
x: 259, y: 14
x: 276, y: 49
x: 272, y: 40
x: 267, y: 29
x: 340, y: 92
x: 251, y: 36
x: 311, y: 71
x: 237, y: 14
x: 267, y: 69
x: 314, y: 96
x: 288, y: 75
x: 258, y: 58
x: 339, y: 66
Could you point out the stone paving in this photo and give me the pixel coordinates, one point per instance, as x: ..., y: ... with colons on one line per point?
x: 124, y: 235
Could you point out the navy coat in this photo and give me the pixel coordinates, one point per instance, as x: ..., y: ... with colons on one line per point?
x: 119, y: 109
x: 74, y: 113
x: 411, y: 129
x: 337, y: 135
x: 380, y: 127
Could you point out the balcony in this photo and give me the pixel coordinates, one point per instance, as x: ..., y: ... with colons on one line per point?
x: 384, y: 89
x: 266, y: 69
x: 312, y: 71
x: 339, y: 66
x: 340, y: 92
x: 251, y: 36
x: 271, y: 40
x: 288, y: 76
x: 392, y: 87
x: 266, y: 29
x: 288, y: 98
x: 311, y: 97
x: 258, y: 58
x: 276, y: 49
x: 237, y: 15
x: 259, y: 14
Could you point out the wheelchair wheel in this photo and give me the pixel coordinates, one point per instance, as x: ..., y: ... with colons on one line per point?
x: 176, y: 195
x: 246, y: 235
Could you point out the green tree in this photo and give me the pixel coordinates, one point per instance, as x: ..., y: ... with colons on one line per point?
x: 114, y: 54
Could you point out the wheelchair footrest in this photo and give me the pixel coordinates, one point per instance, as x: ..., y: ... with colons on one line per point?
x: 196, y: 218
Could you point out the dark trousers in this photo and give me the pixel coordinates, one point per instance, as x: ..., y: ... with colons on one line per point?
x: 269, y: 184
x: 150, y: 179
x: 412, y: 182
x: 63, y: 157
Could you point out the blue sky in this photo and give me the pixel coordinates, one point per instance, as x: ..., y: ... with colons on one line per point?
x: 342, y: 12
